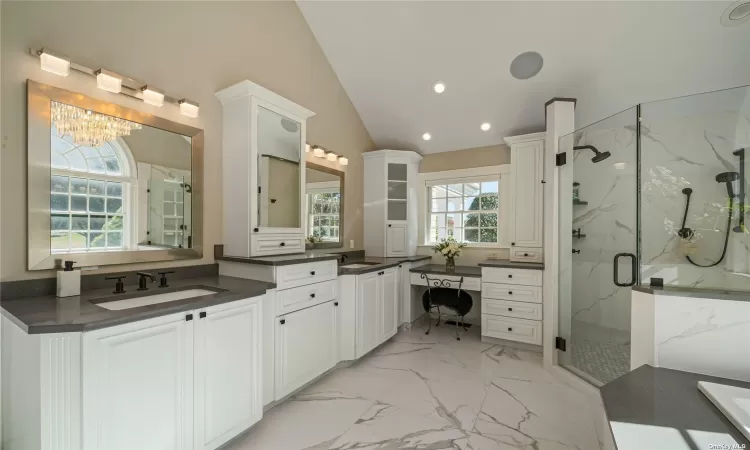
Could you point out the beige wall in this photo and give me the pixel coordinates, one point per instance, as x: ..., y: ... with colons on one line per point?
x: 162, y: 148
x: 190, y: 49
x: 493, y: 155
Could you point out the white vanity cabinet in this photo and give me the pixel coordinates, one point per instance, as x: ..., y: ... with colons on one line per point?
x: 391, y: 198
x: 512, y: 304
x: 306, y: 346
x: 189, y: 380
x: 376, y: 309
x: 526, y: 204
x: 263, y: 177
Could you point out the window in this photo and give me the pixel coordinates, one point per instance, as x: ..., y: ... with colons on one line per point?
x: 88, y: 196
x: 467, y: 211
x: 323, y: 220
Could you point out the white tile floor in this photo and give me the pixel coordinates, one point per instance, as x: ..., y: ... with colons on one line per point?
x: 433, y: 392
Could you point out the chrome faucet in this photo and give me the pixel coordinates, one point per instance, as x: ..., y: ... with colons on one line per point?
x: 142, y: 280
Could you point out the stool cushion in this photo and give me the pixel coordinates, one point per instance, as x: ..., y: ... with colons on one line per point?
x: 454, y: 299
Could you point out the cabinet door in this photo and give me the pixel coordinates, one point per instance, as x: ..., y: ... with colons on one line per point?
x: 138, y: 385
x: 395, y: 239
x: 306, y: 343
x: 227, y: 371
x: 368, y: 312
x: 389, y: 309
x: 526, y: 222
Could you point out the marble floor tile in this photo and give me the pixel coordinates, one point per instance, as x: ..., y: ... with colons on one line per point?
x: 431, y: 391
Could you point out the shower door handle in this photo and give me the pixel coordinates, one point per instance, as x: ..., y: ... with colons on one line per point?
x: 615, y: 269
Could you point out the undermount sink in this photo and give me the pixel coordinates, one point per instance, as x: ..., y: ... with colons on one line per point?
x: 358, y: 265
x: 153, y: 299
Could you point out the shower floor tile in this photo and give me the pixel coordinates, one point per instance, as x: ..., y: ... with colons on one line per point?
x: 604, y: 361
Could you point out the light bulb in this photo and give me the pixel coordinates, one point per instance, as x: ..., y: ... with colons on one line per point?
x: 54, y: 62
x: 332, y: 157
x: 189, y: 108
x: 152, y: 96
x: 319, y: 152
x: 344, y: 161
x: 108, y: 81
x: 426, y: 136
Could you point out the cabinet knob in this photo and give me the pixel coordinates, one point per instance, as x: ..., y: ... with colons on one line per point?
x: 510, y: 292
x: 389, y: 225
x: 335, y: 303
x: 202, y: 314
x: 510, y: 329
x: 510, y: 276
x: 282, y: 321
x: 282, y: 244
x: 512, y: 243
x: 399, y: 266
x: 510, y: 309
x: 312, y: 295
x: 525, y: 254
x: 312, y: 273
x: 189, y: 317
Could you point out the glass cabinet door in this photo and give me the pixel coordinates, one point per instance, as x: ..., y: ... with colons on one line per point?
x: 397, y: 191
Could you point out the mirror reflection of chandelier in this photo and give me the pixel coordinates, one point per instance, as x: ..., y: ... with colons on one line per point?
x: 89, y: 128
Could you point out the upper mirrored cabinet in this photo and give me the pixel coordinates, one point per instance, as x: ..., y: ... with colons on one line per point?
x: 109, y: 185
x: 264, y: 172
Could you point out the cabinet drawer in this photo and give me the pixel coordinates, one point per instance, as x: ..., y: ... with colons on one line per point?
x: 515, y: 292
x: 307, y: 273
x: 509, y: 308
x: 523, y: 254
x: 520, y: 330
x: 276, y: 244
x: 290, y: 300
x: 469, y: 284
x: 512, y: 276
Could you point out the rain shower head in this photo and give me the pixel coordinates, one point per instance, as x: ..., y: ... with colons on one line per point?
x: 598, y: 156
x: 728, y: 178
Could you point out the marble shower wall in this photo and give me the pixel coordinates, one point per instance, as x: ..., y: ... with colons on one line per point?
x: 600, y: 309
x: 685, y: 143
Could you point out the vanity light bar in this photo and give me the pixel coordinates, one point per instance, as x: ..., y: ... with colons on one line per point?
x: 59, y: 64
x: 320, y: 152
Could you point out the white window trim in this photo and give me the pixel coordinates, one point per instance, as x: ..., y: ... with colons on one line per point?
x: 322, y: 187
x: 467, y: 176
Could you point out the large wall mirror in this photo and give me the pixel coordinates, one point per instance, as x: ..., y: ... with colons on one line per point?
x: 108, y: 184
x: 279, y: 150
x: 324, y: 206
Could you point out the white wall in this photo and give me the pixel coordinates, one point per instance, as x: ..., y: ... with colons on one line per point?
x: 190, y: 49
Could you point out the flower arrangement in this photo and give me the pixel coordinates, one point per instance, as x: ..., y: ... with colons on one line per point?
x: 450, y: 249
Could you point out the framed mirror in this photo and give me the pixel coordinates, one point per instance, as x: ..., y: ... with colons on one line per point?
x: 279, y: 150
x: 108, y: 184
x: 324, y: 206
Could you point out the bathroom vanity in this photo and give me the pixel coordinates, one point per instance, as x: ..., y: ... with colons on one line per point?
x: 186, y: 372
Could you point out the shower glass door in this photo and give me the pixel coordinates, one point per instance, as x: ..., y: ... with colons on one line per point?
x: 599, y: 246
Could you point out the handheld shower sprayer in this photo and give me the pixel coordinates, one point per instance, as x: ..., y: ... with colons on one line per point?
x: 728, y: 178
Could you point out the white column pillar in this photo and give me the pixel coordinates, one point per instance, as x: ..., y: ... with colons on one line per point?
x: 560, y: 121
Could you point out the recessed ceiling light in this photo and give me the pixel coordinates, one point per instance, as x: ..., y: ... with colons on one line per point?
x: 439, y: 87
x: 526, y: 65
x: 737, y: 13
x: 426, y: 136
x: 485, y: 126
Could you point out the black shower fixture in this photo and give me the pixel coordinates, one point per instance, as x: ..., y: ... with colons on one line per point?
x: 598, y: 156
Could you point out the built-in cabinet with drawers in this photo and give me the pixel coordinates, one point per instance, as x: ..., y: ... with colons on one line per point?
x: 189, y: 380
x: 390, y: 203
x: 526, y: 203
x: 263, y: 175
x: 512, y: 304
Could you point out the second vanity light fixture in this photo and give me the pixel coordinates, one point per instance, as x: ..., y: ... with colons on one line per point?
x: 320, y: 152
x: 109, y: 81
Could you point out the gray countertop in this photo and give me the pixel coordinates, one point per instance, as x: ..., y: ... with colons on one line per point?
x: 439, y: 269
x: 668, y: 400
x: 505, y: 263
x: 49, y: 314
x: 376, y: 264
x: 284, y: 260
x: 687, y: 291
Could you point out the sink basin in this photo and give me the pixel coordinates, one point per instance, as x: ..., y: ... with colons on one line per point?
x: 358, y: 265
x: 733, y: 401
x: 153, y: 299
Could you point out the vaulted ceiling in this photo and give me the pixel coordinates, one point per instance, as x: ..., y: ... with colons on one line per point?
x: 608, y: 55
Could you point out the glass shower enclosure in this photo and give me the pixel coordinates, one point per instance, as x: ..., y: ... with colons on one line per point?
x: 653, y: 194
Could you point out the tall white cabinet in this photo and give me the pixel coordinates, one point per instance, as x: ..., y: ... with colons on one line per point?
x: 264, y: 138
x: 526, y: 204
x: 391, y: 198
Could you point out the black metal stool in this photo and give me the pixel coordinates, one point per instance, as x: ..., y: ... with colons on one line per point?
x: 440, y: 292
